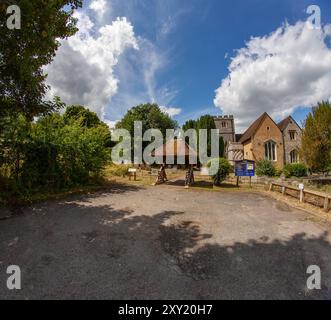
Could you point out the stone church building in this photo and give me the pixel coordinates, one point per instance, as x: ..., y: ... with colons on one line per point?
x: 292, y: 134
x: 264, y: 139
x: 225, y: 124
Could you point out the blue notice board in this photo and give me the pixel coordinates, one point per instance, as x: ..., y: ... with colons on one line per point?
x: 245, y: 168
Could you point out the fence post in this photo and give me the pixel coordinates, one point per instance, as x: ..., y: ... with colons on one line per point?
x: 302, y: 196
x: 283, y: 190
x: 302, y: 192
x: 326, y: 204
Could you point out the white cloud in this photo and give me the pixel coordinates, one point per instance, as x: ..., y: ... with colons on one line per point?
x: 167, y: 27
x: 83, y: 70
x: 277, y: 73
x: 139, y: 71
x: 110, y: 124
x: 172, y: 112
x: 94, y: 68
x: 99, y: 7
x: 152, y: 62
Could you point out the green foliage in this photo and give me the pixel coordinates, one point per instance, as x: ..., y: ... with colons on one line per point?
x: 278, y: 172
x: 117, y: 170
x: 316, y: 138
x: 190, y: 124
x: 86, y: 117
x: 295, y: 170
x: 205, y: 122
x: 24, y: 52
x: 55, y: 152
x: 15, y: 136
x: 222, y: 147
x: 265, y: 168
x: 151, y: 117
x: 222, y: 167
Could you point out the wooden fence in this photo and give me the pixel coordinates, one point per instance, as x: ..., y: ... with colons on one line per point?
x: 313, y: 197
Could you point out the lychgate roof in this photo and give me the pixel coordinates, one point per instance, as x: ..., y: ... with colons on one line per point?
x: 175, y: 147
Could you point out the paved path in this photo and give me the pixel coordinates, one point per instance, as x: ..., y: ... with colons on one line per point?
x: 164, y: 242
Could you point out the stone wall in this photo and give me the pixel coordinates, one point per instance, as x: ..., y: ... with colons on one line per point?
x: 268, y: 130
x: 290, y: 145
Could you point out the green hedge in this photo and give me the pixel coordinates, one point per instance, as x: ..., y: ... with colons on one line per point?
x: 265, y: 168
x: 219, y: 169
x: 52, y: 153
x: 295, y: 170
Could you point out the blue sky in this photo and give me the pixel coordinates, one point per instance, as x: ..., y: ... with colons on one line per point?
x: 179, y: 52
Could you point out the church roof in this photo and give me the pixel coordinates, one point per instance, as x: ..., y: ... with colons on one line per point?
x: 284, y: 123
x: 252, y: 129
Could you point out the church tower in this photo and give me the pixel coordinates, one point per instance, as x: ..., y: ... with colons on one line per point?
x: 225, y: 124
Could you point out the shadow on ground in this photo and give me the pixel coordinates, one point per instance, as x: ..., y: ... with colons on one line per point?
x: 197, y: 183
x: 90, y: 252
x: 14, y: 207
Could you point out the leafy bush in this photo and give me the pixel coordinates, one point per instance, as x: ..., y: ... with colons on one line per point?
x: 278, y: 172
x: 328, y: 168
x: 265, y: 168
x: 295, y: 170
x: 54, y: 152
x: 219, y: 169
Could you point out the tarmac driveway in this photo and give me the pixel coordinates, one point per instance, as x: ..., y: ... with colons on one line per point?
x: 164, y: 243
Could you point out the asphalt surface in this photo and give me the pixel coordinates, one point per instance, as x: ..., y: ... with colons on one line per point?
x: 164, y: 243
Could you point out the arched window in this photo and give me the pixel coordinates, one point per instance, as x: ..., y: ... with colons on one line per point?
x: 293, y: 135
x: 270, y: 150
x: 294, y: 156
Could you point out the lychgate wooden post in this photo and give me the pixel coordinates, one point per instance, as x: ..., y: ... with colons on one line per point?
x: 177, y: 150
x: 189, y: 179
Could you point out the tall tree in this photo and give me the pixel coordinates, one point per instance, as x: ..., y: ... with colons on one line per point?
x: 151, y: 117
x: 25, y: 51
x: 208, y: 122
x: 190, y: 124
x: 87, y: 117
x: 205, y: 122
x: 316, y: 138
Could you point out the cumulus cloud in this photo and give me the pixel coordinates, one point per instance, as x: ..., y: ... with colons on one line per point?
x: 99, y: 7
x: 277, y: 73
x: 172, y: 112
x: 83, y: 70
